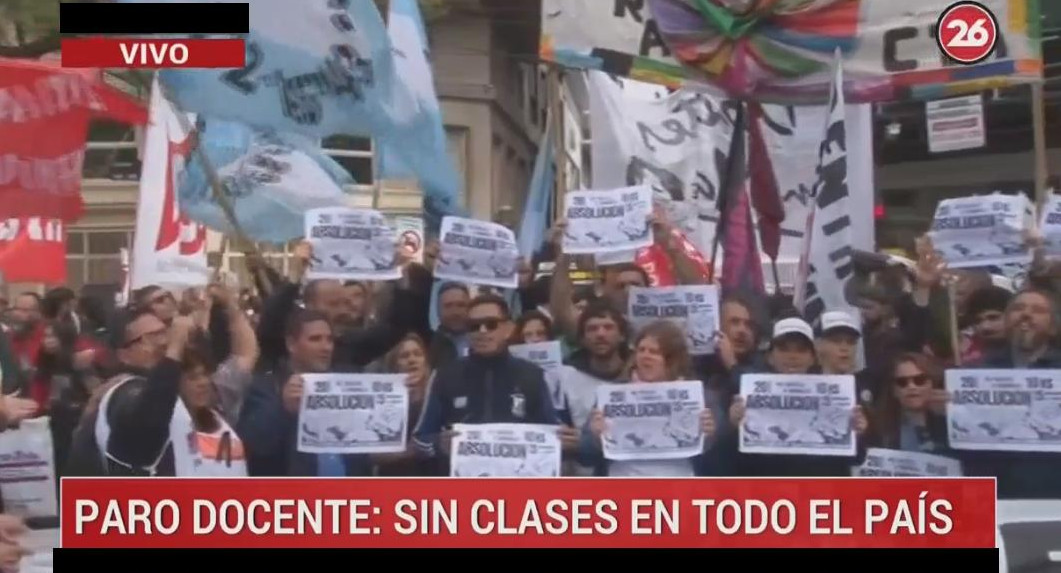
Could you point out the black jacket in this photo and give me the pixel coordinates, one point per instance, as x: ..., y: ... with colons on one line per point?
x: 477, y: 390
x: 139, y: 413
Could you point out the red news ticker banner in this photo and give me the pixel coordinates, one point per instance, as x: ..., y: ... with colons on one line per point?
x: 152, y: 53
x: 324, y: 513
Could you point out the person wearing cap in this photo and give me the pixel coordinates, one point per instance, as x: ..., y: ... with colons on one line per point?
x: 792, y: 352
x: 838, y: 341
x: 791, y: 348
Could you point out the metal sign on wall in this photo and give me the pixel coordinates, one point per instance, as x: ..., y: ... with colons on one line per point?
x: 955, y: 124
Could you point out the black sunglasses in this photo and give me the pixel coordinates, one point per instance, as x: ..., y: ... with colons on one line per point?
x: 491, y: 324
x: 904, y: 381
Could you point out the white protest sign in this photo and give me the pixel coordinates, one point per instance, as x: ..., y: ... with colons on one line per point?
x: 798, y: 414
x: 652, y: 420
x: 351, y: 244
x: 607, y: 221
x: 353, y: 414
x: 1004, y: 410
x: 505, y: 450
x: 981, y: 231
x: 477, y: 252
x: 692, y: 308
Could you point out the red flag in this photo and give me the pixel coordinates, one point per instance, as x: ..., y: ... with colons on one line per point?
x: 44, y: 115
x: 32, y: 251
x: 766, y: 198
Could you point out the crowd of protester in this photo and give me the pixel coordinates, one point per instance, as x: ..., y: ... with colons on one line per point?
x: 116, y: 381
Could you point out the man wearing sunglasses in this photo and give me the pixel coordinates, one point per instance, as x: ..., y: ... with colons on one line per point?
x: 489, y: 386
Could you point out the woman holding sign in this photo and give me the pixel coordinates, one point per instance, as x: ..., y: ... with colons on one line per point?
x: 656, y: 425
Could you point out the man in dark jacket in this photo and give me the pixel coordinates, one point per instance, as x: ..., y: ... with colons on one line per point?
x: 268, y: 423
x: 1032, y: 323
x: 139, y: 408
x: 488, y: 386
x: 357, y: 347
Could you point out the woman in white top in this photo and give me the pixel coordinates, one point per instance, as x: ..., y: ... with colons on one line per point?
x: 660, y: 355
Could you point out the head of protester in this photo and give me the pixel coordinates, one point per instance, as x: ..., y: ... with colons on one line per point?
x: 25, y: 313
x: 157, y: 301
x: 738, y: 326
x: 326, y: 297
x: 838, y: 342
x: 661, y: 354
x: 489, y: 326
x: 310, y: 342
x: 453, y: 308
x: 533, y: 327
x: 410, y: 357
x: 985, y: 313
x: 1032, y: 323
x: 909, y: 414
x: 603, y: 334
x: 139, y: 338
x: 792, y: 347
x: 356, y: 297
x: 617, y: 280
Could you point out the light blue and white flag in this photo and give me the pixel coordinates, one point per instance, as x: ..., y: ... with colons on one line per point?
x: 317, y: 68
x: 535, y: 222
x: 271, y: 180
x: 417, y: 148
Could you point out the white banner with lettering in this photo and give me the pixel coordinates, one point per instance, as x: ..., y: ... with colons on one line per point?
x: 168, y: 250
x: 679, y: 144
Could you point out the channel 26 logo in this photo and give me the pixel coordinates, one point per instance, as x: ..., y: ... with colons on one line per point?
x: 967, y: 32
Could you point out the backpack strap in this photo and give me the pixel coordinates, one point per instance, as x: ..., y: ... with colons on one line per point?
x: 103, y: 430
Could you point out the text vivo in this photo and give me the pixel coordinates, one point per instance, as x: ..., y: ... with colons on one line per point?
x: 142, y: 53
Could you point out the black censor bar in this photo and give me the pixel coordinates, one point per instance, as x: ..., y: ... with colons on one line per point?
x: 153, y: 19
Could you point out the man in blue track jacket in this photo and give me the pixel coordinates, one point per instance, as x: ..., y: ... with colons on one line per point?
x: 489, y: 386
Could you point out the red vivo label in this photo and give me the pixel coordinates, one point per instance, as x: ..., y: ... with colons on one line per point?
x: 562, y: 513
x: 141, y: 53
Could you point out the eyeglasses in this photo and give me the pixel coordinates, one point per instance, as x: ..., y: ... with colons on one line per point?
x: 918, y: 380
x: 490, y: 324
x: 153, y: 336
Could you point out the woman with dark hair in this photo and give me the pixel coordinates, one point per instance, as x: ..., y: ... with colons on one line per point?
x: 532, y: 327
x: 660, y: 355
x: 62, y: 384
x: 910, y: 417
x: 409, y: 357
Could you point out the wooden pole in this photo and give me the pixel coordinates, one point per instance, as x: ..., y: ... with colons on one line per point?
x: 1042, y: 171
x: 377, y: 182
x: 955, y: 333
x: 216, y: 188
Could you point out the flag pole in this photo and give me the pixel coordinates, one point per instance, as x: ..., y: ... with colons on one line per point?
x: 217, y: 189
x: 377, y: 181
x: 556, y: 114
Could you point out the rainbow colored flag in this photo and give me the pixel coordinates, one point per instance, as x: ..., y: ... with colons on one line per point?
x: 781, y: 51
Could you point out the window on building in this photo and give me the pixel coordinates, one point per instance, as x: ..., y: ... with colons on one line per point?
x: 457, y: 144
x: 93, y: 256
x: 111, y: 151
x: 354, y: 154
